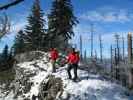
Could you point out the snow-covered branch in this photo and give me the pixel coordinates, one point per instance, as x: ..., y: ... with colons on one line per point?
x: 4, y: 25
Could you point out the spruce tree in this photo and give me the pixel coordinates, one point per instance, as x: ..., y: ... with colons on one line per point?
x: 4, y: 58
x: 34, y: 31
x: 60, y: 23
x: 7, y: 60
x: 5, y: 53
x: 19, y: 45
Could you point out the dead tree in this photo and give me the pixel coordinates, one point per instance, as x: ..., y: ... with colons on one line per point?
x: 130, y: 52
x: 95, y: 55
x: 10, y: 4
x: 115, y: 57
x: 101, y: 48
x: 85, y: 56
x: 116, y: 70
x: 92, y: 40
x: 123, y: 49
x: 111, y: 58
x: 117, y: 39
x: 4, y: 25
x: 81, y: 43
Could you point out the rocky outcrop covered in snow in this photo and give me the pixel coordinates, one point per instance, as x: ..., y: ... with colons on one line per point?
x: 35, y: 81
x: 51, y: 88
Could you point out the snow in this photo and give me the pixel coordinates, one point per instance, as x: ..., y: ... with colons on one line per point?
x: 89, y: 87
x: 92, y: 87
x: 37, y: 80
x: 10, y: 97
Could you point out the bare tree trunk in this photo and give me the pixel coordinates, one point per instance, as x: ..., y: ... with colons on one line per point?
x: 111, y: 58
x: 95, y: 54
x: 130, y: 48
x: 101, y: 48
x: 115, y: 57
x: 92, y: 40
x: 85, y: 57
x: 117, y: 37
x: 123, y: 49
x: 81, y: 48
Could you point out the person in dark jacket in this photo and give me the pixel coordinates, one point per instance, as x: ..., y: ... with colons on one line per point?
x: 72, y: 59
x: 53, y: 56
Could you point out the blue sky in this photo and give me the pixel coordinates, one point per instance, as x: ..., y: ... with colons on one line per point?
x: 108, y: 16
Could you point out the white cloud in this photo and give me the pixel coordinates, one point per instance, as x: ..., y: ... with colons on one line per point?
x: 107, y: 14
x: 17, y: 26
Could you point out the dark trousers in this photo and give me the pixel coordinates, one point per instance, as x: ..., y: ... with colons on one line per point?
x: 53, y: 66
x: 74, y: 67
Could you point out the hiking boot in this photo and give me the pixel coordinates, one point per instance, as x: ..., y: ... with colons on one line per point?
x: 74, y: 79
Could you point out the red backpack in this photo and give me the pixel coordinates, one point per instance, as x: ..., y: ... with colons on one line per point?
x: 54, y: 54
x: 72, y: 58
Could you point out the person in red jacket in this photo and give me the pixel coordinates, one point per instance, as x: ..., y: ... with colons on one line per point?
x: 77, y: 59
x: 73, y: 59
x: 53, y: 57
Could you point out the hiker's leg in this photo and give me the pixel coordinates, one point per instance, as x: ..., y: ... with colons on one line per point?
x: 75, y: 66
x: 69, y: 71
x: 53, y: 66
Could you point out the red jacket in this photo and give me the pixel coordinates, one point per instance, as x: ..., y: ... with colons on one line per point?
x: 53, y: 54
x: 77, y: 58
x: 73, y: 58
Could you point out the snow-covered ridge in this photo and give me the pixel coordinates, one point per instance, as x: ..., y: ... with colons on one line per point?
x: 89, y: 87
